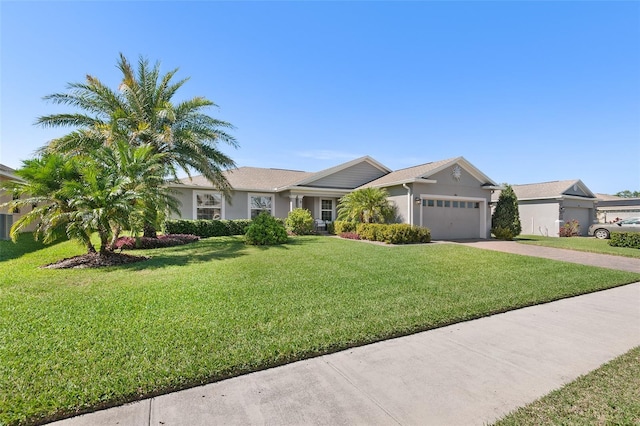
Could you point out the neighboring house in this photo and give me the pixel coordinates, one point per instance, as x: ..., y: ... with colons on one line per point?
x: 451, y: 197
x: 611, y: 207
x: 6, y: 217
x: 545, y: 207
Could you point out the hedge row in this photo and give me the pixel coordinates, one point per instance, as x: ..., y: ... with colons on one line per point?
x: 342, y: 226
x: 207, y: 228
x: 395, y: 233
x: 625, y: 239
x: 171, y: 240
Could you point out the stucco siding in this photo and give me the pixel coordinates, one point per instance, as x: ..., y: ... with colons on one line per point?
x: 351, y: 177
x: 185, y: 197
x: 539, y: 218
x: 236, y: 206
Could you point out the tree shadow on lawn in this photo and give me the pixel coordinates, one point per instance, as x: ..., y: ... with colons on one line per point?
x: 205, y: 250
x: 25, y: 245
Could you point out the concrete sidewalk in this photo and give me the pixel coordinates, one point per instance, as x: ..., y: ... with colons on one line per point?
x: 593, y: 259
x: 465, y: 374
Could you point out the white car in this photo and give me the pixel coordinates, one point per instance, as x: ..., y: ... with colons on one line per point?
x: 604, y: 230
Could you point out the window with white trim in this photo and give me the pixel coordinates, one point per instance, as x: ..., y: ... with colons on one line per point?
x: 208, y: 205
x: 259, y: 203
x: 326, y: 210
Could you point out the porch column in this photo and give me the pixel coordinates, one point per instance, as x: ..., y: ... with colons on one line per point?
x: 292, y: 202
x: 300, y: 197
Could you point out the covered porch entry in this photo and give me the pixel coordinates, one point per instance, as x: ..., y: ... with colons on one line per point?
x: 323, y: 206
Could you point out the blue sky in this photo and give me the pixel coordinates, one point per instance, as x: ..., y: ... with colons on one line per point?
x: 526, y: 91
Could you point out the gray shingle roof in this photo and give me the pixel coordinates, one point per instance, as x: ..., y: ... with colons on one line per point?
x: 254, y: 178
x: 552, y: 189
x: 408, y: 174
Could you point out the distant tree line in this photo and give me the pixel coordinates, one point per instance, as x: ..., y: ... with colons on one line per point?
x: 628, y: 194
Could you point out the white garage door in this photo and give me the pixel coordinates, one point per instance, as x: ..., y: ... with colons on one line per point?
x: 582, y: 215
x: 451, y: 219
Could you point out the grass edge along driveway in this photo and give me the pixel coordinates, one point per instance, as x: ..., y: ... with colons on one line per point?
x: 586, y: 244
x: 75, y: 340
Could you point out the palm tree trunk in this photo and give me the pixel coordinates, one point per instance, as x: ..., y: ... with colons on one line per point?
x: 149, y: 229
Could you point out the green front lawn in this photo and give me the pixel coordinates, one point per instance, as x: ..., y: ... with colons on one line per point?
x: 72, y: 340
x: 609, y: 395
x: 590, y: 244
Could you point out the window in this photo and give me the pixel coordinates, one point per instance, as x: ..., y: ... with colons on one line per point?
x: 455, y: 204
x: 208, y: 205
x: 326, y: 210
x: 447, y: 203
x: 463, y: 204
x: 439, y: 203
x: 259, y: 204
x: 430, y: 203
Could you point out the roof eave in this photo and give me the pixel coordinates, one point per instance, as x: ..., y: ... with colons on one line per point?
x: 400, y: 182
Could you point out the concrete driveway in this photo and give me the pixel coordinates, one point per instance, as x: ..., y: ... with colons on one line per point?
x: 593, y: 259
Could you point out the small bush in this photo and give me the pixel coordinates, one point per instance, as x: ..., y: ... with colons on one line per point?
x: 331, y: 228
x: 625, y: 239
x: 341, y: 226
x: 570, y: 229
x: 371, y: 231
x: 266, y: 230
x: 170, y: 240
x: 503, y: 233
x: 300, y: 222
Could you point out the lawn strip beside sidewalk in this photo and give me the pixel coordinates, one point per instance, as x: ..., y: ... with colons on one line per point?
x: 608, y: 395
x: 586, y: 244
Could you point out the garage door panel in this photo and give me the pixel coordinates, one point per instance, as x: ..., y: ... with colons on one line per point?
x: 583, y: 216
x: 449, y: 222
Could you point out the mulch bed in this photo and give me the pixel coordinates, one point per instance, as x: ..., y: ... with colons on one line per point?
x: 94, y: 260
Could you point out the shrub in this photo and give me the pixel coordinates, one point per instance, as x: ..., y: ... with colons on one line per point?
x: 341, y: 226
x: 570, y: 229
x: 625, y: 239
x: 395, y: 233
x: 237, y: 226
x: 505, y: 222
x: 503, y: 233
x: 170, y: 240
x: 207, y: 228
x: 331, y: 228
x: 402, y: 233
x: 300, y: 222
x: 266, y: 230
x: 371, y: 231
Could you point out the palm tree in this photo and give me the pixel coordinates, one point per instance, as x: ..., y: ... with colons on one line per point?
x: 44, y: 187
x: 142, y: 112
x: 367, y: 205
x: 105, y: 192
